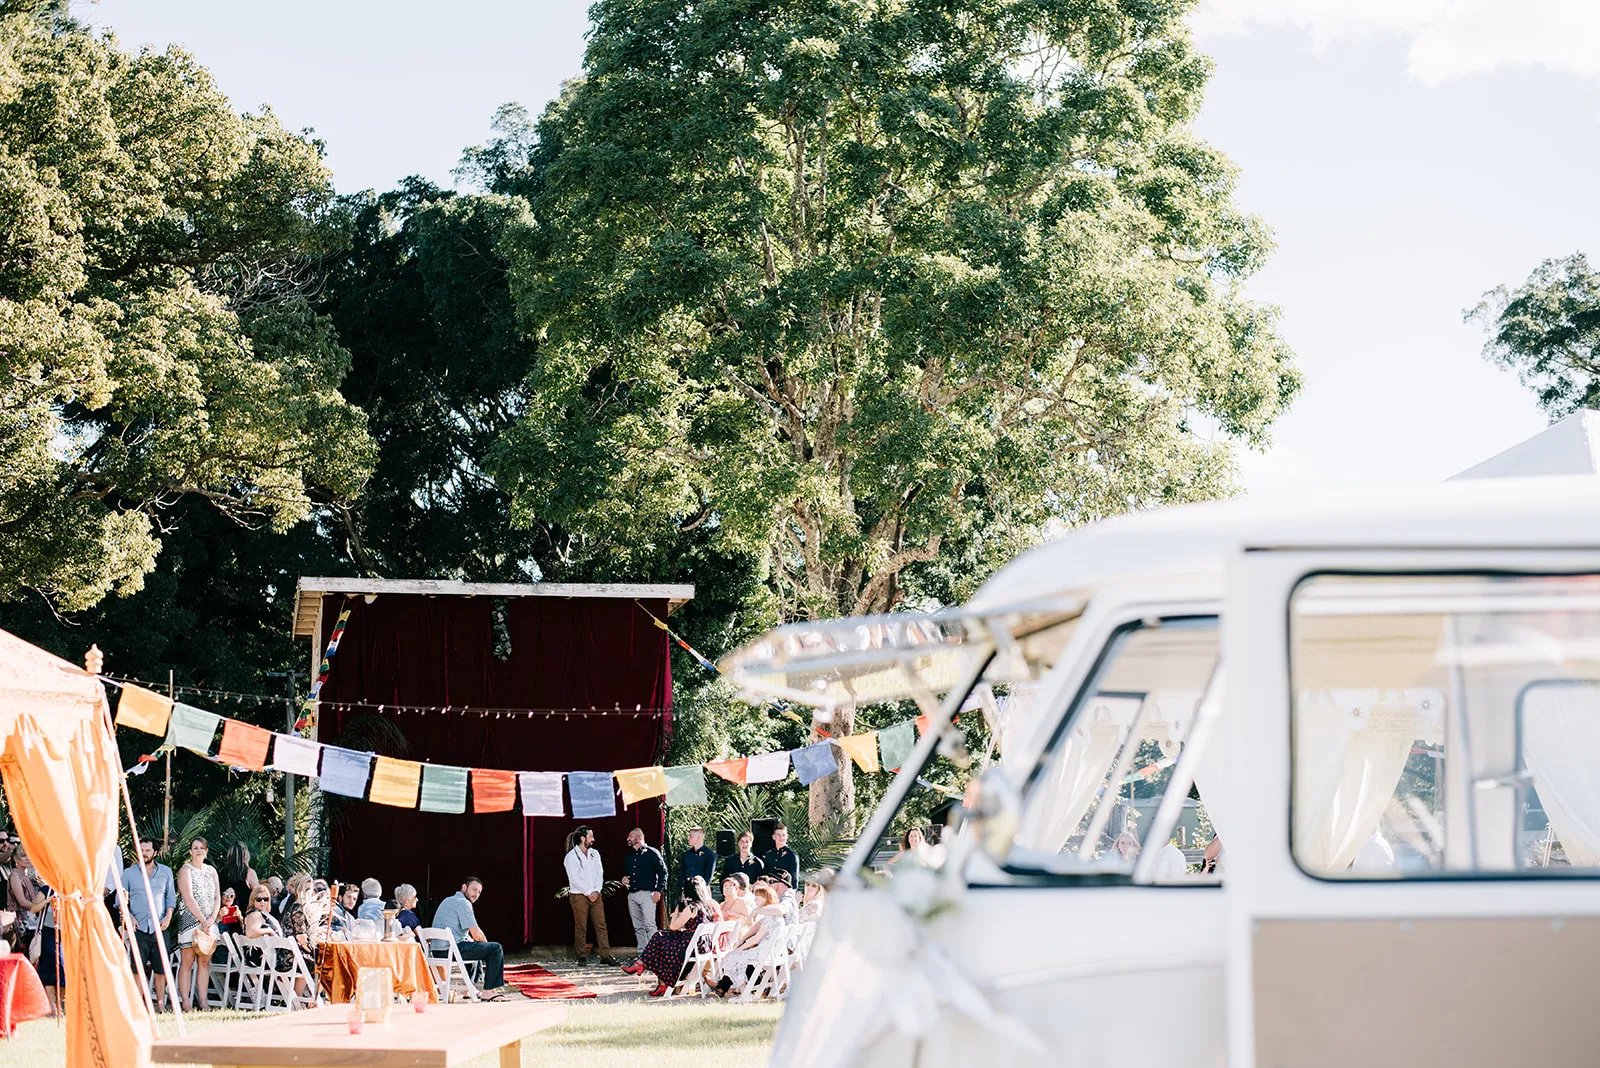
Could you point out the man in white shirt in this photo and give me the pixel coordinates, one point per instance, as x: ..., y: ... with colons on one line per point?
x: 585, y: 880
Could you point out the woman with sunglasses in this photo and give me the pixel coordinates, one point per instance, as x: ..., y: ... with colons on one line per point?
x: 199, y: 900
x: 260, y: 921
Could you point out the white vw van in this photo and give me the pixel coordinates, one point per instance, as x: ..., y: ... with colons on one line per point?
x: 1385, y: 705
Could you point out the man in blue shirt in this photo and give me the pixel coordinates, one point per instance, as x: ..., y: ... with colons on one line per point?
x: 456, y: 914
x: 150, y: 910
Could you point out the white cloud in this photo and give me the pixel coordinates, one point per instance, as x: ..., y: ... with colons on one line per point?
x: 1449, y: 38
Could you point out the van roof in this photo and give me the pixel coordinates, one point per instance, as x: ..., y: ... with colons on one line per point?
x: 1195, y: 540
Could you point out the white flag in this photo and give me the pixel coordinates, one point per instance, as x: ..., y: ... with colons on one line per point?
x: 541, y: 793
x: 768, y: 767
x: 297, y: 756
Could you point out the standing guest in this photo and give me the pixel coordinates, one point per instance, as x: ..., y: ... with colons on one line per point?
x: 371, y: 907
x: 455, y: 913
x: 646, y: 879
x: 152, y: 911
x: 237, y: 872
x: 780, y: 858
x: 405, y: 896
x: 199, y: 897
x: 746, y: 862
x: 699, y: 862
x: 8, y: 846
x: 52, y: 969
x: 24, y: 887
x: 585, y: 880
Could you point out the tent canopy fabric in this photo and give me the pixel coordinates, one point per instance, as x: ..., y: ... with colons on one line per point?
x: 1568, y: 447
x: 61, y: 773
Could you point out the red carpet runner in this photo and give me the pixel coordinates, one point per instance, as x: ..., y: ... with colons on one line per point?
x: 537, y: 982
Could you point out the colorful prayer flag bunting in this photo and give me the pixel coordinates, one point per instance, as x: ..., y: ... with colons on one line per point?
x: 640, y: 783
x: 244, y: 746
x: 192, y: 728
x: 593, y: 796
x: 295, y: 755
x: 493, y: 790
x: 686, y: 785
x: 395, y: 782
x: 308, y: 707
x: 767, y: 767
x: 922, y: 725
x: 541, y: 793
x: 344, y: 771
x: 732, y: 770
x: 812, y: 762
x: 863, y: 749
x: 143, y: 710
x: 444, y: 789
x: 896, y: 743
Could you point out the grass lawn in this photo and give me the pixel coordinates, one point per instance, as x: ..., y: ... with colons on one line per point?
x: 612, y: 1034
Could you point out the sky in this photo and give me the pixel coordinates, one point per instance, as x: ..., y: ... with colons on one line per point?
x: 1408, y: 154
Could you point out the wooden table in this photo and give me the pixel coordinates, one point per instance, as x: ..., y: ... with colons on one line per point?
x: 320, y: 1038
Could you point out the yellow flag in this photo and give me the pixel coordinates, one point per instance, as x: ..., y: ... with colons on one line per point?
x: 395, y: 782
x: 863, y: 749
x: 143, y: 710
x: 640, y: 783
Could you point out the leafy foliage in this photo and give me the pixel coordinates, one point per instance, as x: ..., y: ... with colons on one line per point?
x: 874, y: 293
x: 1548, y: 331
x: 155, y: 336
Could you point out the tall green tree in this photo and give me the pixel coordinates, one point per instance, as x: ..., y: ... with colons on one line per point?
x: 156, y: 337
x: 877, y: 292
x: 1548, y: 331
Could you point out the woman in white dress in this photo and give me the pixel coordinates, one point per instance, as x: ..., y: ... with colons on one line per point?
x: 742, y: 960
x: 199, y: 900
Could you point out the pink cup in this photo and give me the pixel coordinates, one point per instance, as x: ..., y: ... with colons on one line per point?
x: 419, y: 1002
x: 356, y: 1022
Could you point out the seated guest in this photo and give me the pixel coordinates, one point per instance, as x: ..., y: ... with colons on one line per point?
x: 787, y: 899
x: 735, y: 904
x: 344, y: 910
x: 405, y: 896
x: 229, y: 918
x: 296, y: 919
x: 455, y: 914
x: 740, y: 963
x: 317, y: 907
x: 811, y: 909
x: 746, y: 862
x: 665, y: 952
x: 260, y: 922
x: 371, y: 902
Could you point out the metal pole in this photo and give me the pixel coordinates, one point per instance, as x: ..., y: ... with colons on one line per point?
x: 166, y: 806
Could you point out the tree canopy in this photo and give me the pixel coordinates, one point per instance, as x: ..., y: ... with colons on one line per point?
x: 156, y: 339
x: 875, y: 293
x: 1548, y: 331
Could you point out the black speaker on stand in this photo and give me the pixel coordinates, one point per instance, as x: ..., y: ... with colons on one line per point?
x: 762, y: 829
x: 727, y: 843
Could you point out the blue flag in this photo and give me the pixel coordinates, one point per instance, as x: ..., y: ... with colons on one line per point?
x: 344, y: 771
x: 593, y: 794
x: 813, y: 762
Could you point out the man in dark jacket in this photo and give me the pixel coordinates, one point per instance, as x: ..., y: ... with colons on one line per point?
x: 645, y: 876
x: 699, y: 859
x: 745, y: 861
x: 781, y: 858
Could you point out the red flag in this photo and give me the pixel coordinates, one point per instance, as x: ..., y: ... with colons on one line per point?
x: 732, y: 770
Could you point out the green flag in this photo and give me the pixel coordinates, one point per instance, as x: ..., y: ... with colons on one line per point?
x: 895, y: 744
x: 687, y: 785
x: 444, y: 789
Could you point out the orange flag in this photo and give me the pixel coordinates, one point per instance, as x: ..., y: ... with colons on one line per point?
x: 243, y: 746
x: 732, y: 770
x: 922, y: 725
x: 143, y: 710
x: 493, y: 790
x: 395, y: 782
x: 640, y: 783
x: 863, y: 749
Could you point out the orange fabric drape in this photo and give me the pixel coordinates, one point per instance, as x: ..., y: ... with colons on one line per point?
x: 59, y: 765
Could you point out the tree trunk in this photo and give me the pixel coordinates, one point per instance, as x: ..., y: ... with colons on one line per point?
x: 835, y: 795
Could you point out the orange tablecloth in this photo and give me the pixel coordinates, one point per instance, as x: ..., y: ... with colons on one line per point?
x: 21, y: 994
x: 339, y: 963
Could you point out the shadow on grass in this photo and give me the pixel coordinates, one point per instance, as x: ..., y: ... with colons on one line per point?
x: 680, y: 1034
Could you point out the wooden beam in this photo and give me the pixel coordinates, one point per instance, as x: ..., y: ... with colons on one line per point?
x: 310, y: 591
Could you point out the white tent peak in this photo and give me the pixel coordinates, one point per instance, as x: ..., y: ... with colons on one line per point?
x: 1568, y: 447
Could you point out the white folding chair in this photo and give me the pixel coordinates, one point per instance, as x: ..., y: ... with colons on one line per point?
x: 223, y: 973
x: 269, y: 985
x: 771, y: 966
x: 703, y: 963
x: 446, y: 964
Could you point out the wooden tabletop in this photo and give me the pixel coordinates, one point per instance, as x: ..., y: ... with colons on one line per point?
x: 320, y: 1038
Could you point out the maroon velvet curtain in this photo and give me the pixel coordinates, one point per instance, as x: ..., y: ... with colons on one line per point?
x: 579, y: 653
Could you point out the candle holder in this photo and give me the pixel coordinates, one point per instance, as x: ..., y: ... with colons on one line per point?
x: 375, y: 994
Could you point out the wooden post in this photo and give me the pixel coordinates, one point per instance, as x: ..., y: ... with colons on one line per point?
x: 166, y: 807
